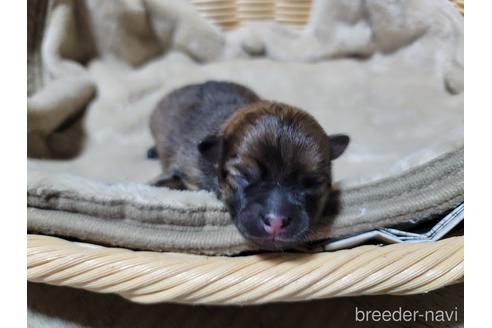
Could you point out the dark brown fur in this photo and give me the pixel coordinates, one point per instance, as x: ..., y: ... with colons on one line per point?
x: 252, y: 136
x: 183, y: 119
x: 262, y: 158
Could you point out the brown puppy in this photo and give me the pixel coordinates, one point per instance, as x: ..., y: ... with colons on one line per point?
x: 269, y: 162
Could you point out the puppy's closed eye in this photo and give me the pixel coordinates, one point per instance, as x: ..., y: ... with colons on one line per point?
x: 238, y: 181
x: 240, y: 176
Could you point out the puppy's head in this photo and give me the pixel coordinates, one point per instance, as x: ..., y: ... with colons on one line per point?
x: 274, y: 171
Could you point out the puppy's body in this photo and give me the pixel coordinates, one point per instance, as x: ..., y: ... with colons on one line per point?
x: 182, y: 120
x: 269, y: 162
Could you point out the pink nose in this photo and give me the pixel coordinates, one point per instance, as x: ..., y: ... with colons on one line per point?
x: 274, y: 224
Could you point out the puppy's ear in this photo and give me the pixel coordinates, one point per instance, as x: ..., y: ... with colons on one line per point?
x: 211, y: 148
x: 338, y: 143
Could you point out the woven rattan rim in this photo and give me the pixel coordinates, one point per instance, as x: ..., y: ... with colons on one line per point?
x: 231, y: 13
x: 150, y: 277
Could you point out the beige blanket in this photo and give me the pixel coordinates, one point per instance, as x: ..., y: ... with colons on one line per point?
x: 389, y: 74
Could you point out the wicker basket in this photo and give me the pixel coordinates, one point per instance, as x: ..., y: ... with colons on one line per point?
x: 231, y: 13
x: 150, y: 277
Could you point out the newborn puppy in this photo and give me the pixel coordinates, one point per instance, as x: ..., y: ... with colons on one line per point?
x: 269, y: 162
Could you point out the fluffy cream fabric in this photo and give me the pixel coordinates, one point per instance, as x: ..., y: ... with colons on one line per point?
x: 389, y: 74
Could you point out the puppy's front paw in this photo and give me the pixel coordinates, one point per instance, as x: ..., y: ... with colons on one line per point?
x: 173, y: 182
